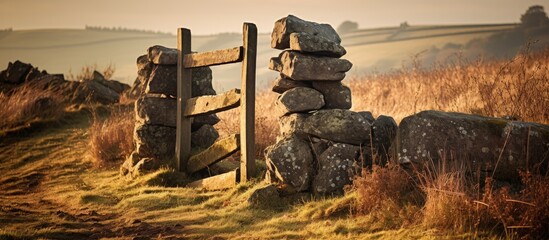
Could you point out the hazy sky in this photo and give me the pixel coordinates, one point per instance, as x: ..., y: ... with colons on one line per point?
x: 214, y: 16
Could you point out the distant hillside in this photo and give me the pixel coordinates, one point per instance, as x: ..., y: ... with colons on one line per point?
x: 381, y: 49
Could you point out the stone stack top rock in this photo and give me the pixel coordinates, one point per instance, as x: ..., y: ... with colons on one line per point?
x: 284, y: 27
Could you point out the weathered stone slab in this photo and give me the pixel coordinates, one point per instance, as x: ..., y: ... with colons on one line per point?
x: 498, y: 146
x: 304, y: 42
x: 298, y: 66
x: 336, y: 95
x: 163, y: 80
x: 337, y: 125
x: 156, y: 142
x: 156, y: 111
x: 282, y: 84
x: 280, y: 37
x: 290, y: 161
x: 162, y: 55
x: 204, y: 137
x: 212, y: 104
x: 299, y: 99
x: 219, y: 150
x: 336, y: 168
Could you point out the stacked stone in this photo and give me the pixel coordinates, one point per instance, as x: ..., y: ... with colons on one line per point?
x: 156, y: 111
x: 320, y: 138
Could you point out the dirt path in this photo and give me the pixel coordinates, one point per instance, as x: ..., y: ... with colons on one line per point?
x: 38, y: 171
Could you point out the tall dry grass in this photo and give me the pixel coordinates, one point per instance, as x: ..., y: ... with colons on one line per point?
x: 517, y: 87
x: 266, y: 124
x: 447, y: 197
x: 29, y: 103
x: 86, y: 72
x: 111, y: 137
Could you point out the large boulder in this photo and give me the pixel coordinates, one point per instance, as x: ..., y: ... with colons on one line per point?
x: 156, y: 142
x: 336, y: 125
x: 284, y: 27
x: 299, y: 99
x: 498, y: 146
x: 163, y: 80
x: 298, y: 66
x: 290, y: 161
x: 16, y: 72
x: 156, y: 111
x: 283, y: 84
x: 91, y: 91
x: 304, y: 42
x: 336, y: 95
x: 336, y: 168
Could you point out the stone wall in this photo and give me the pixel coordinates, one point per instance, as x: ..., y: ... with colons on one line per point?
x: 156, y: 107
x: 321, y: 143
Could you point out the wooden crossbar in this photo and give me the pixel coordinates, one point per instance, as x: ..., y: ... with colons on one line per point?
x: 188, y: 107
x: 212, y: 104
x: 213, y: 58
x: 218, y: 182
x: 218, y: 151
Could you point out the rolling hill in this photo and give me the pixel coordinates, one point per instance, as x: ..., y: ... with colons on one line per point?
x: 380, y: 50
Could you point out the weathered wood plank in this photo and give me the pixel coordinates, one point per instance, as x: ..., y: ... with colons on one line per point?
x: 218, y: 182
x: 184, y: 86
x: 247, y: 106
x: 213, y: 58
x: 212, y: 104
x: 219, y: 150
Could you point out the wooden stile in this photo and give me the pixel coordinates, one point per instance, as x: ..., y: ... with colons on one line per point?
x: 189, y: 107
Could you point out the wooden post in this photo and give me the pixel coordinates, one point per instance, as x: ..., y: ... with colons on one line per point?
x: 247, y: 103
x: 184, y: 86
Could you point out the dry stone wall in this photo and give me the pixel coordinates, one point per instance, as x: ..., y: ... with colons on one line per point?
x: 320, y: 139
x: 156, y: 107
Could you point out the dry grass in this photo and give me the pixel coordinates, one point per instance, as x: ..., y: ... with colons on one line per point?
x: 111, y: 137
x: 517, y: 87
x: 266, y: 124
x: 29, y: 103
x: 387, y: 194
x: 86, y: 72
x: 448, y: 197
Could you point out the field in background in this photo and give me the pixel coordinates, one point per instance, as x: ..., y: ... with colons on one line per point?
x: 381, y: 49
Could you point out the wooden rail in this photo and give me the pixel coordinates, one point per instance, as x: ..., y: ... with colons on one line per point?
x: 188, y: 107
